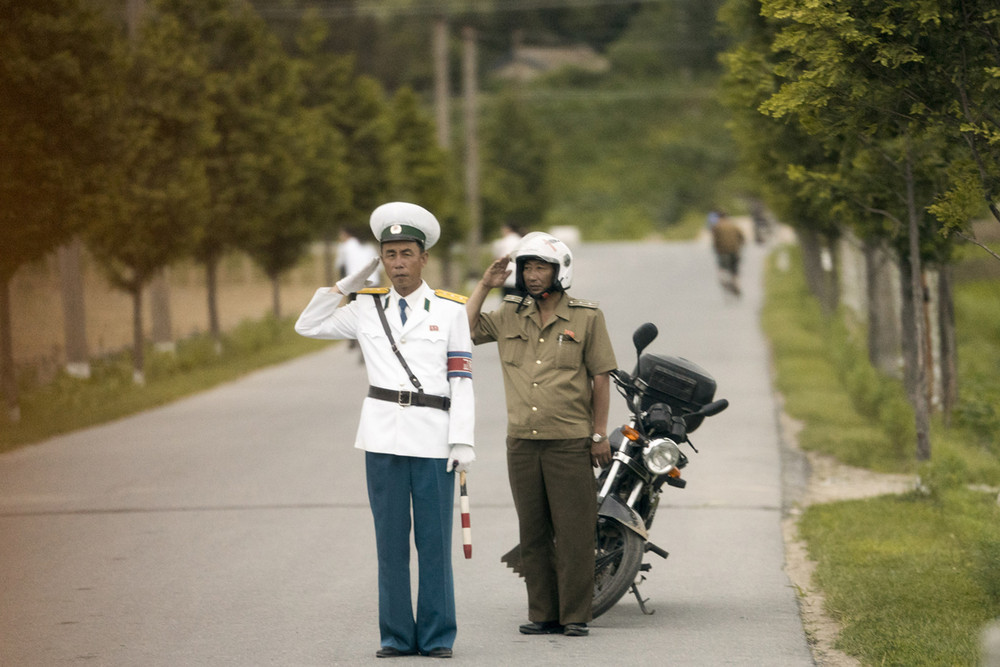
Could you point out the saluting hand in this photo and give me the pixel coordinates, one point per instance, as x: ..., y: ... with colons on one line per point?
x: 358, y: 279
x: 497, y: 273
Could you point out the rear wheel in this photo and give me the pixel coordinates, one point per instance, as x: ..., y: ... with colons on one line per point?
x: 616, y: 563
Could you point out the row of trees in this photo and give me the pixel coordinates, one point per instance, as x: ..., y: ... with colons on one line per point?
x: 193, y: 131
x: 879, y: 117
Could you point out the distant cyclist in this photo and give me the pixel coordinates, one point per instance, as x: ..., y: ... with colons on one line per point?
x: 727, y: 241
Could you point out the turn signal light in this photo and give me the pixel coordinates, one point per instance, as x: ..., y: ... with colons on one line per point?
x: 630, y: 433
x: 674, y: 472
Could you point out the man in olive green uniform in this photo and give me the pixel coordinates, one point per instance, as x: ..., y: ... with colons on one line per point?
x: 556, y: 356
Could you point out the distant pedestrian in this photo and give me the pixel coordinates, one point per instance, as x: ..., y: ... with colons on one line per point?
x: 727, y: 242
x: 353, y: 255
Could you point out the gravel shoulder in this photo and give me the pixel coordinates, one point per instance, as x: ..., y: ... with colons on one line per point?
x: 811, y: 478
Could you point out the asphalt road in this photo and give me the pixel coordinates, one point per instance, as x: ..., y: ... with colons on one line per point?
x: 232, y: 527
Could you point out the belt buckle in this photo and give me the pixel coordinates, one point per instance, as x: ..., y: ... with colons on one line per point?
x: 409, y: 398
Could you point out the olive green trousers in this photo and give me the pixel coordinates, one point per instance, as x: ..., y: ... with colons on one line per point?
x: 552, y: 483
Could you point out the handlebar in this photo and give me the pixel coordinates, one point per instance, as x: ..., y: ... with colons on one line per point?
x: 629, y: 389
x: 713, y: 408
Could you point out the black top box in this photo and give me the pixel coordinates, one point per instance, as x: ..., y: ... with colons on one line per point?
x: 681, y: 384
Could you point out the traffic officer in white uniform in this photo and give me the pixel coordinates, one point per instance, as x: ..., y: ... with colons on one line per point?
x: 416, y: 423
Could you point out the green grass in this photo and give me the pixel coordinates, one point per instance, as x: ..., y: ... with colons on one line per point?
x: 816, y: 364
x: 67, y: 403
x: 911, y: 579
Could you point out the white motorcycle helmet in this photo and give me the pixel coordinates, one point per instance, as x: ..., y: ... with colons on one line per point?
x: 546, y: 248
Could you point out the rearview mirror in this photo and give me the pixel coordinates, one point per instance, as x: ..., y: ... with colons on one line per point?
x: 643, y: 336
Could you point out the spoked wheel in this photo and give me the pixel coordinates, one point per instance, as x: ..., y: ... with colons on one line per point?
x: 616, y: 563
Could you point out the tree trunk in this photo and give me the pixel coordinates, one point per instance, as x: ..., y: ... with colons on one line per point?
x: 442, y: 96
x: 211, y: 287
x: 883, y: 325
x: 161, y: 328
x: 74, y: 310
x: 819, y: 270
x: 328, y: 261
x: 276, y: 296
x: 448, y: 270
x: 918, y: 395
x: 138, y: 353
x: 809, y: 243
x: 948, y: 344
x: 8, y: 378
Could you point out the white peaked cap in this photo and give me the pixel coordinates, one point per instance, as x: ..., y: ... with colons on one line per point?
x: 402, y: 221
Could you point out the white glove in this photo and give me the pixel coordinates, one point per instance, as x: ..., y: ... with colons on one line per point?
x: 357, y: 280
x: 460, y: 458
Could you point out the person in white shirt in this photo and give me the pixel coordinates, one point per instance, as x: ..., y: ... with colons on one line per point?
x: 417, y: 421
x: 353, y: 255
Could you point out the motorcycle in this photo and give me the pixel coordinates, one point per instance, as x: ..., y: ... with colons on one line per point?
x: 668, y: 397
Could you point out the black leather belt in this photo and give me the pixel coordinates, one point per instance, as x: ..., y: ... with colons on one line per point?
x: 405, y: 398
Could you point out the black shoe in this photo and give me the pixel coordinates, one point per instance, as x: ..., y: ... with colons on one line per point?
x: 390, y: 652
x: 439, y: 653
x: 543, y: 628
x: 576, y: 630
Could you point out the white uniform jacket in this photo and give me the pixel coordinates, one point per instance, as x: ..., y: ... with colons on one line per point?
x: 438, y: 348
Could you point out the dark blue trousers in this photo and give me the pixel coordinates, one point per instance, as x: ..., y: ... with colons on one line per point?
x: 393, y: 481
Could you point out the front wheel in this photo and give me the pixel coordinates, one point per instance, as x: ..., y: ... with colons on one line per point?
x: 617, y: 559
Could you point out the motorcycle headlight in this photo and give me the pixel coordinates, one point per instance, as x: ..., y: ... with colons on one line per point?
x: 661, y: 455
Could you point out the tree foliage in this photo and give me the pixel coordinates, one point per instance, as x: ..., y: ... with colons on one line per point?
x: 667, y: 38
x: 421, y: 171
x: 56, y: 85
x: 56, y: 96
x: 889, y: 97
x: 516, y: 166
x: 156, y: 189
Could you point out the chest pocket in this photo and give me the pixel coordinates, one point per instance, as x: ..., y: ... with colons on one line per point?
x: 569, y: 350
x: 513, y: 349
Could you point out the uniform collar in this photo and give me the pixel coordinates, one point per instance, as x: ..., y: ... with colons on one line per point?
x: 562, y: 310
x: 414, y: 299
x: 417, y: 304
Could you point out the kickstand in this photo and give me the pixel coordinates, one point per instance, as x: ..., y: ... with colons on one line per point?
x: 642, y: 603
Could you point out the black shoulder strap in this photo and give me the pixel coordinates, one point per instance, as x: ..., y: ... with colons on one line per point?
x: 385, y: 325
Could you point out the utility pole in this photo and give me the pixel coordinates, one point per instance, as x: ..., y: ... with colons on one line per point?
x: 470, y: 91
x: 442, y: 106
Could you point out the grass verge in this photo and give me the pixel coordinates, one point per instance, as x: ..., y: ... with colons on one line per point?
x: 912, y: 579
x: 67, y: 403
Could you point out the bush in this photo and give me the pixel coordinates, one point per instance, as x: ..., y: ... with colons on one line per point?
x: 945, y: 472
x: 979, y: 416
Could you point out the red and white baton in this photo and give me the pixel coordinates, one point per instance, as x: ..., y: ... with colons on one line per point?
x: 466, y: 521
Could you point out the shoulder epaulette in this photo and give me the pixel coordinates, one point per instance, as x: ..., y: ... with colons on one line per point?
x: 582, y: 303
x: 517, y: 298
x: 374, y: 290
x: 451, y: 296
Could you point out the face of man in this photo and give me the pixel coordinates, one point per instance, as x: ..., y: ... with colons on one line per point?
x: 538, y: 276
x: 404, y: 261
